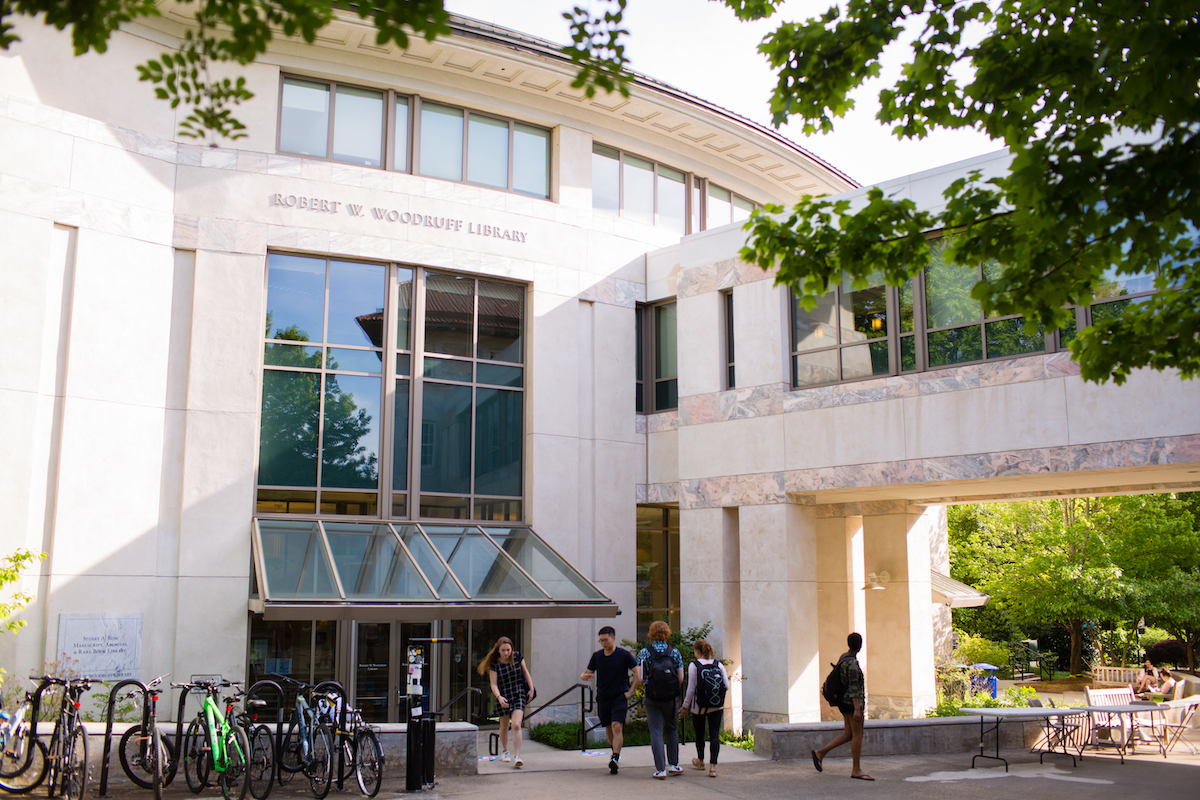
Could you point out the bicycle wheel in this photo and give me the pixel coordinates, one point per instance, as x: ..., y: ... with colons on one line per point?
x: 261, y: 764
x: 34, y: 772
x: 196, y: 755
x: 290, y: 759
x: 319, y: 768
x: 157, y: 755
x: 368, y: 763
x: 234, y: 780
x: 75, y: 767
x: 14, y: 751
x: 132, y: 763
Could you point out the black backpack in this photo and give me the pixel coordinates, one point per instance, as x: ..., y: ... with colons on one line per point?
x: 662, y: 679
x: 833, y: 690
x: 710, y: 689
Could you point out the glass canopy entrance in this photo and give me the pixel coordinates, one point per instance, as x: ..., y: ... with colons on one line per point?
x: 379, y: 571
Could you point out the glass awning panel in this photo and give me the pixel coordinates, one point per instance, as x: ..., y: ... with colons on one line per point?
x: 378, y: 570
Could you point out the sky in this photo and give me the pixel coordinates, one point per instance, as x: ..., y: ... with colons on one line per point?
x: 699, y: 46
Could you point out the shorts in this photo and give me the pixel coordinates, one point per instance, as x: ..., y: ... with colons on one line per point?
x: 613, y: 711
x: 847, y: 708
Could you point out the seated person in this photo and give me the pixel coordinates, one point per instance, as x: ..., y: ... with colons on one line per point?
x: 1167, y: 687
x: 1148, y: 681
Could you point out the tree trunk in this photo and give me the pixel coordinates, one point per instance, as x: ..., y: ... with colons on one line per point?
x: 1076, y: 647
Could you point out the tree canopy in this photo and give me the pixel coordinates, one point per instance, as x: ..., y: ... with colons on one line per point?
x: 1096, y: 101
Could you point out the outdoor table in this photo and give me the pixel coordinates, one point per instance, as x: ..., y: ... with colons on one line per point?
x: 1132, y: 709
x: 1001, y: 714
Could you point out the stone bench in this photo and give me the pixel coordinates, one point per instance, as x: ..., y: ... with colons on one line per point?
x: 890, y: 737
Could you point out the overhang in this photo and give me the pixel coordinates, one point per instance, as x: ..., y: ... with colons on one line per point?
x: 949, y: 592
x: 319, y: 569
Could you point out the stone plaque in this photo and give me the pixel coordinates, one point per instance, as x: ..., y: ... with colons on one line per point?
x: 107, y: 646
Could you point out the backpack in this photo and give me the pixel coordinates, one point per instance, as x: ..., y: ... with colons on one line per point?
x: 833, y: 689
x: 710, y: 689
x: 662, y: 679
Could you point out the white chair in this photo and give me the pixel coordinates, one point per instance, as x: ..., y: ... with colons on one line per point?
x: 1177, y: 719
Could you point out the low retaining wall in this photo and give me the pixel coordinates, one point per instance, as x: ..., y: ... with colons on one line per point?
x: 891, y: 737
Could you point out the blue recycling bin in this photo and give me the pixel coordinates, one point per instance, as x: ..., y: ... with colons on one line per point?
x: 984, y: 683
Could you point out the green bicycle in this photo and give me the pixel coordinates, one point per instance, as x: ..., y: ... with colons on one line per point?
x: 214, y: 742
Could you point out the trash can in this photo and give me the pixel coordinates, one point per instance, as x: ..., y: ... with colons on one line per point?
x: 985, y: 682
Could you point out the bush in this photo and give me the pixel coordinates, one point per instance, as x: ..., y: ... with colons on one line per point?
x: 977, y: 650
x: 1014, y: 697
x: 743, y: 742
x: 565, y: 735
x: 1169, y: 651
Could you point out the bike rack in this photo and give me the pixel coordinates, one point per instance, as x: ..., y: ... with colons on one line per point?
x: 586, y: 699
x: 253, y: 691
x: 334, y: 686
x: 107, y: 752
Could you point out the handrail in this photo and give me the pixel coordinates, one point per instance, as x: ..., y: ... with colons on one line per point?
x: 586, y: 701
x: 467, y: 691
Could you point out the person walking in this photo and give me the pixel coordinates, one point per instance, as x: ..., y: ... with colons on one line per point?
x: 610, y: 666
x: 513, y: 687
x: 660, y: 667
x: 707, y: 684
x: 853, y: 708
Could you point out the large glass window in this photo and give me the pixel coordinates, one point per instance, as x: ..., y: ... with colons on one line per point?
x: 657, y: 356
x: 727, y: 309
x: 339, y: 393
x: 352, y: 124
x: 844, y: 338
x: 657, y: 568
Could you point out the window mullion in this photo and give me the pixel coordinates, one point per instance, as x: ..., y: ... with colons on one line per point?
x: 414, y: 112
x: 389, y: 131
x: 416, y: 413
x: 466, y: 144
x: 387, y: 429
x: 332, y: 116
x: 512, y: 144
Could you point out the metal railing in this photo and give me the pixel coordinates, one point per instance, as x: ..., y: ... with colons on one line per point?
x: 586, y: 704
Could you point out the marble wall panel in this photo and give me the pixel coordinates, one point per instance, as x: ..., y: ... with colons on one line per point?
x: 845, y: 435
x: 662, y: 274
x: 736, y: 447
x: 35, y: 153
x: 663, y: 457
x: 760, y: 316
x: 219, y: 648
x: 32, y: 292
x: 702, y: 360
x: 614, y: 520
x: 1148, y: 404
x: 554, y: 365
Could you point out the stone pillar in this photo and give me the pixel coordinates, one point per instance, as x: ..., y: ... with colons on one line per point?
x: 898, y: 638
x: 939, y: 561
x: 710, y: 590
x: 781, y: 681
x: 840, y: 598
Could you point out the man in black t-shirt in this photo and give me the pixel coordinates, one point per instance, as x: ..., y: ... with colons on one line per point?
x: 610, y: 667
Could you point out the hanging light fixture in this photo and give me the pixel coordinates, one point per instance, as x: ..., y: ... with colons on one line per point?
x: 877, y: 580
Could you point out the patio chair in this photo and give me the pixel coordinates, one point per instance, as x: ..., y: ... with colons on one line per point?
x: 1060, y: 732
x: 1177, y: 721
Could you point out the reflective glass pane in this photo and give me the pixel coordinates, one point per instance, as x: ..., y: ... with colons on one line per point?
x: 637, y: 193
x: 606, y: 180
x: 357, y: 295
x: 501, y: 313
x: 809, y: 369
x: 948, y: 289
x: 863, y: 313
x: 666, y: 364
x: 720, y: 207
x: 907, y: 315
x: 404, y: 310
x: 908, y: 353
x: 403, y: 363
x: 447, y: 369
x: 349, y: 504
x: 498, y: 509
x: 439, y: 507
x: 358, y: 126
x: 652, y: 566
x: 304, y: 121
x: 741, y: 209
x: 350, y: 437
x: 817, y: 328
x: 865, y: 360
x: 672, y: 200
x: 295, y: 298
x: 287, y: 445
x: 285, y: 501
x: 498, y: 441
x: 1008, y: 338
x: 449, y: 314
x: 1067, y: 332
x: 531, y: 160
x: 1102, y: 312
x: 400, y: 439
x: 651, y: 517
x: 445, y: 439
x: 399, y: 505
x: 441, y: 141
x: 294, y: 561
x: 291, y: 355
x: 1113, y: 284
x: 499, y: 376
x: 482, y: 568
x: 666, y: 395
x: 429, y: 563
x: 372, y: 565
x: 955, y: 346
x: 400, y: 154
x: 487, y: 151
x: 560, y: 580
x: 354, y: 360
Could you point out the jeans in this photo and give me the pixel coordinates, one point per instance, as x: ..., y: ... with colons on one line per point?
x: 713, y: 721
x: 662, y: 718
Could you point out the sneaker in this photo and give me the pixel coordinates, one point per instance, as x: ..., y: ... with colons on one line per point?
x: 504, y: 756
x: 518, y: 763
x: 661, y: 774
x: 612, y: 766
x: 697, y: 763
x: 674, y: 769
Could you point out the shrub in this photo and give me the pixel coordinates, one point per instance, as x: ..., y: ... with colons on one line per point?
x: 976, y: 650
x: 743, y: 742
x: 1014, y: 697
x: 1169, y: 651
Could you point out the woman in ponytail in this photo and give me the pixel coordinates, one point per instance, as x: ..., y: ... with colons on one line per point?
x: 512, y: 686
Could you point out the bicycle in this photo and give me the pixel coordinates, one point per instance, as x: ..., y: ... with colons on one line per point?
x: 308, y: 746
x: 215, y: 743
x: 66, y: 757
x: 260, y: 759
x: 357, y: 743
x: 149, y: 760
x: 23, y: 762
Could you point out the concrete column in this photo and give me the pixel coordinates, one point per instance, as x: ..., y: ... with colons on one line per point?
x: 939, y: 561
x: 781, y: 681
x: 899, y: 633
x: 710, y: 590
x: 841, y: 606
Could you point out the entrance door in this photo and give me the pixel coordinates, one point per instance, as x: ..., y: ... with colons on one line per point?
x: 381, y: 650
x: 472, y: 641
